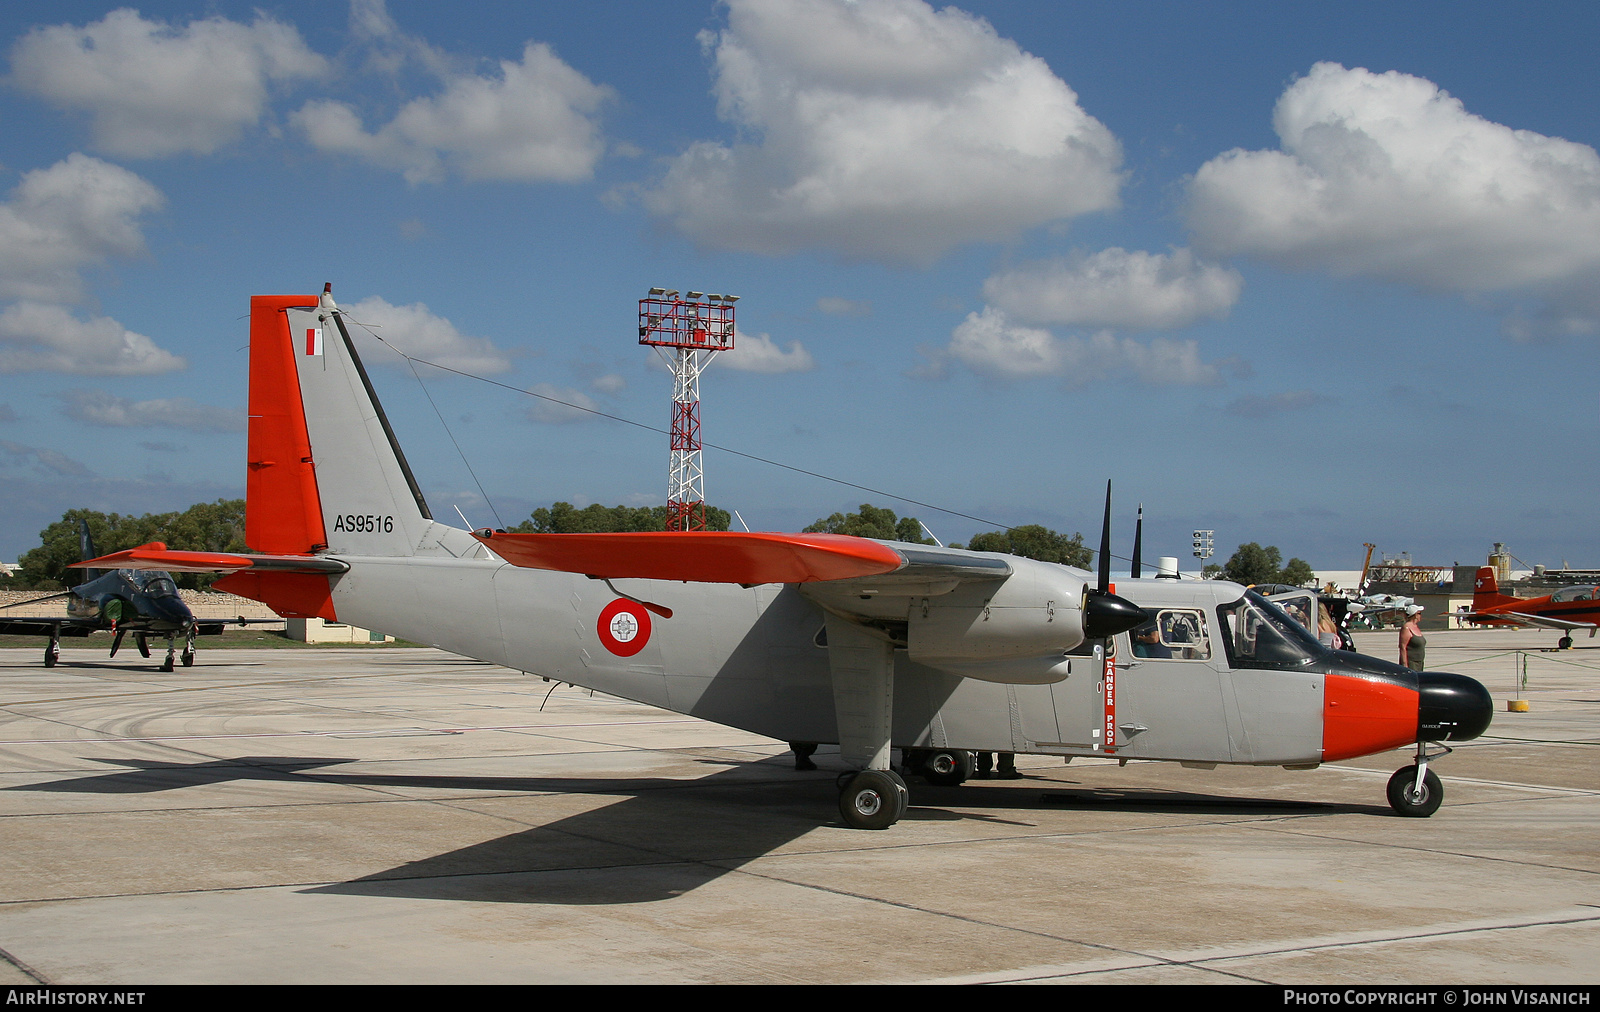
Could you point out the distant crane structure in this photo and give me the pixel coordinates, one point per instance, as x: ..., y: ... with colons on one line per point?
x: 688, y: 332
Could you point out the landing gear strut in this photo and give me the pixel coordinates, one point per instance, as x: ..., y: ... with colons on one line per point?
x: 172, y: 654
x: 1415, y: 791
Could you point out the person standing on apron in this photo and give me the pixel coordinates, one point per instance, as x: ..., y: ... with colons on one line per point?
x: 1413, y: 645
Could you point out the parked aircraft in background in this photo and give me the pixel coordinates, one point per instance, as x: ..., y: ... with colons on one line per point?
x: 804, y: 638
x: 1568, y: 609
x: 142, y: 601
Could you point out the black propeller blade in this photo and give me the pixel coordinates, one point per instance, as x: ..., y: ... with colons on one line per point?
x: 1138, y: 544
x: 1104, y: 613
x: 1105, y: 546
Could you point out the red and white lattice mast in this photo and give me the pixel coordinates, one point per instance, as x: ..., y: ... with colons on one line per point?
x: 695, y: 328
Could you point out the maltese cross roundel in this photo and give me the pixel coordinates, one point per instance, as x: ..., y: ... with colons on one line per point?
x: 624, y: 627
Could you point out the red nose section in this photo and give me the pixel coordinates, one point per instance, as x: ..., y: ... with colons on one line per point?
x: 1360, y: 717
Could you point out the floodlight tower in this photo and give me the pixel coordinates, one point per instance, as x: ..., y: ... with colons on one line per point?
x: 695, y: 327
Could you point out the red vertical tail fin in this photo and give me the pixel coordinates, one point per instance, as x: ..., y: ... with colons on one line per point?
x: 1486, y: 590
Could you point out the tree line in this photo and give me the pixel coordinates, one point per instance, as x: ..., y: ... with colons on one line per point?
x: 204, y: 527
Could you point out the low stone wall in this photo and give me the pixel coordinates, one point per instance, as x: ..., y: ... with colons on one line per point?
x: 206, y: 605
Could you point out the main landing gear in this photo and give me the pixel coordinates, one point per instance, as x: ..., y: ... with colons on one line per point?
x: 946, y: 767
x: 872, y: 799
x: 1415, y: 791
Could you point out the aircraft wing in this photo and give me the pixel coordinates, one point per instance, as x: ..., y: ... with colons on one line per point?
x: 747, y: 558
x: 1522, y: 618
x: 157, y: 556
x: 44, y: 626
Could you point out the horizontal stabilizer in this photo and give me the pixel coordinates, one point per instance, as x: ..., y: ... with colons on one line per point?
x: 156, y: 556
x: 699, y: 556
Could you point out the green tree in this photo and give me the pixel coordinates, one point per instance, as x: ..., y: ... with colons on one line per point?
x: 1034, y: 541
x: 872, y: 522
x: 1298, y: 572
x: 565, y: 518
x: 203, y: 527
x: 1253, y: 564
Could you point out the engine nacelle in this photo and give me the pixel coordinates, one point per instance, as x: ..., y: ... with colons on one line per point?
x: 1015, y: 631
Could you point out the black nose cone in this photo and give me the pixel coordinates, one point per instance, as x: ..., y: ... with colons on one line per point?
x: 1451, y: 707
x: 1107, y: 614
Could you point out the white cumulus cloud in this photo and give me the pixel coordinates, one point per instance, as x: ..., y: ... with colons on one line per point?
x: 153, y: 89
x: 760, y: 353
x: 97, y: 407
x: 1274, y: 405
x: 882, y: 129
x: 1117, y: 288
x: 35, y: 336
x: 834, y: 305
x: 43, y: 460
x: 536, y: 120
x: 417, y: 332
x: 555, y: 405
x: 75, y: 213
x: 992, y: 346
x: 1388, y: 176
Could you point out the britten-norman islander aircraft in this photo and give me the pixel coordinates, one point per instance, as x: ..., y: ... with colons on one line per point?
x: 799, y: 637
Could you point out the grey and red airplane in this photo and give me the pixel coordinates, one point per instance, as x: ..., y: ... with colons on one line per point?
x: 802, y: 638
x: 1569, y: 609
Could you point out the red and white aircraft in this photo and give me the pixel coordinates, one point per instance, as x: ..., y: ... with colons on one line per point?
x: 1568, y: 609
x: 804, y: 638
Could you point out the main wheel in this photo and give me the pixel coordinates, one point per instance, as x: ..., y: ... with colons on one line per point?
x: 166, y: 665
x: 874, y: 799
x: 947, y: 767
x: 187, y: 657
x: 52, y: 653
x: 1565, y: 643
x: 1406, y: 799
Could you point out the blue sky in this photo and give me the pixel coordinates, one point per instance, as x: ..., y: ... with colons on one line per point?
x: 1307, y: 274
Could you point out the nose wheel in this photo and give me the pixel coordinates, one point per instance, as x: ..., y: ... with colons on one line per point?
x: 1415, y: 792
x: 873, y: 799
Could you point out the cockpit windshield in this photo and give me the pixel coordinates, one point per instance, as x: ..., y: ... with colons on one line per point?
x: 154, y: 583
x: 1259, y: 635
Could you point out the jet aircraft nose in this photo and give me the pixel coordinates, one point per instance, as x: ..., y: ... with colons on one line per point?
x: 1451, y: 707
x: 170, y: 609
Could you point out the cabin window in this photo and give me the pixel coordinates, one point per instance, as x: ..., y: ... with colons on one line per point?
x: 1175, y: 633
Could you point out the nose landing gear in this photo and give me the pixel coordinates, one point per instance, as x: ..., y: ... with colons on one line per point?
x: 1415, y: 791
